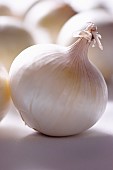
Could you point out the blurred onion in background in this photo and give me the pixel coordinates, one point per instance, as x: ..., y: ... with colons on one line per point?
x: 46, y: 19
x: 13, y: 39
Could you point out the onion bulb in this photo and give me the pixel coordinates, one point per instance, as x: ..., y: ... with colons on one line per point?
x: 102, y: 59
x: 59, y: 92
x: 4, y: 92
x: 13, y: 39
x: 50, y: 21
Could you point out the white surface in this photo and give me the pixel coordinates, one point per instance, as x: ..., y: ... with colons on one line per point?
x: 21, y: 148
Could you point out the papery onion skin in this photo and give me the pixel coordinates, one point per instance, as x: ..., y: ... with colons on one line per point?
x: 58, y: 91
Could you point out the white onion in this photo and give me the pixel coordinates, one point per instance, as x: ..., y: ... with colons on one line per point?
x: 47, y: 17
x: 13, y: 39
x: 56, y: 89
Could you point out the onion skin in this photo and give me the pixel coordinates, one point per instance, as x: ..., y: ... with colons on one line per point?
x: 58, y: 91
x: 102, y: 59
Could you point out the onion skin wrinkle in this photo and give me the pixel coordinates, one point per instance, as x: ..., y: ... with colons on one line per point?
x: 59, y: 92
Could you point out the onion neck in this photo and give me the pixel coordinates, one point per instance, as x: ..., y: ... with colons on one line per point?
x: 79, y: 50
